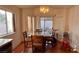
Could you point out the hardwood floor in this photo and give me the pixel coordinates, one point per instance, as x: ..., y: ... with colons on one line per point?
x: 56, y: 49
x: 19, y: 48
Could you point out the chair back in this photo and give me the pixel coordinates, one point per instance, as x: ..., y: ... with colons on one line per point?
x: 37, y: 38
x: 66, y: 35
x: 37, y: 43
x: 24, y: 34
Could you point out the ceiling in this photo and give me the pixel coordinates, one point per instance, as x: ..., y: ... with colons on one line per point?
x: 26, y: 6
x: 53, y: 6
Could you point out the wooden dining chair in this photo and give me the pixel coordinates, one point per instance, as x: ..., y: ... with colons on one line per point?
x: 25, y: 37
x: 27, y: 40
x: 37, y: 44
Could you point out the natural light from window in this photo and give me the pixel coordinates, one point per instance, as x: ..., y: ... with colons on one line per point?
x: 6, y: 22
x: 46, y: 24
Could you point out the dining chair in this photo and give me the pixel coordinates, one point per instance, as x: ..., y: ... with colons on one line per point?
x: 27, y: 40
x: 37, y: 44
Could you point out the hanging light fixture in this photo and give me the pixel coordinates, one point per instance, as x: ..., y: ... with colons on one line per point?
x: 44, y: 9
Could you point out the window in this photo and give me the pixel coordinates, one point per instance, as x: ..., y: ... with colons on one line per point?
x: 6, y: 22
x: 46, y: 25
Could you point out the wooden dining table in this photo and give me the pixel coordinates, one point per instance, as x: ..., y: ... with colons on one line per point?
x: 47, y: 39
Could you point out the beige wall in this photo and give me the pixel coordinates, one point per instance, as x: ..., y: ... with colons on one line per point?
x: 74, y: 26
x: 60, y: 20
x: 17, y: 36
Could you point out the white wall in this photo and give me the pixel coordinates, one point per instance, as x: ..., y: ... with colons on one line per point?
x: 74, y: 26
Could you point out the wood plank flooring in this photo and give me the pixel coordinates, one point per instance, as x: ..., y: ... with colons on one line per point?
x: 56, y: 49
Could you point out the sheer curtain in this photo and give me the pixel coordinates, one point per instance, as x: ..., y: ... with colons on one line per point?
x: 46, y: 25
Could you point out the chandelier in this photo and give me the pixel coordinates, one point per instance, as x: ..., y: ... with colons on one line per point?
x: 44, y: 9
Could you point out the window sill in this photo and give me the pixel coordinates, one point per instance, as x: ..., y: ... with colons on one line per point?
x: 7, y: 35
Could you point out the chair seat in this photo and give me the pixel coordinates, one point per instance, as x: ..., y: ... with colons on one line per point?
x: 37, y: 44
x: 27, y: 39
